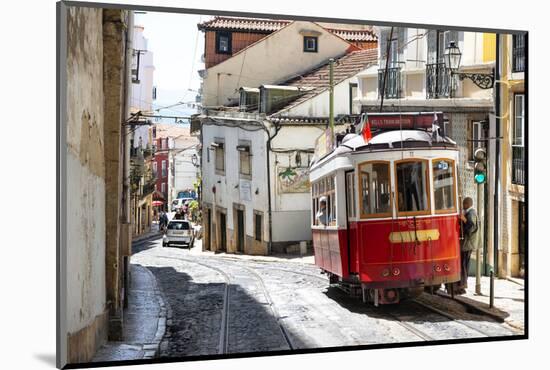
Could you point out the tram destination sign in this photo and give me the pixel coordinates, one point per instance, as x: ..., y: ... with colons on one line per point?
x: 405, y: 120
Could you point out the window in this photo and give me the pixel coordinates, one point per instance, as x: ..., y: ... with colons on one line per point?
x: 519, y: 118
x: 444, y: 185
x: 220, y: 157
x: 412, y: 188
x: 223, y: 42
x: 476, y: 140
x: 245, y: 168
x: 324, y: 188
x: 164, y: 170
x: 518, y: 53
x: 154, y: 169
x: 350, y: 194
x: 518, y: 150
x: 178, y: 225
x: 163, y: 187
x: 258, y: 227
x: 352, y: 94
x: 310, y: 44
x: 375, y: 189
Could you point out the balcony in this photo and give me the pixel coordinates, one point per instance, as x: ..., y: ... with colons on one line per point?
x: 392, y: 89
x: 518, y: 165
x: 438, y: 81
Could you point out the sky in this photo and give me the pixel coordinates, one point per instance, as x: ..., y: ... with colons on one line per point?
x: 177, y: 46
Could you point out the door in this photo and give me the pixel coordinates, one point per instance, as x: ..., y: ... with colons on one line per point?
x: 521, y: 236
x: 223, y: 233
x: 208, y: 229
x: 240, y: 230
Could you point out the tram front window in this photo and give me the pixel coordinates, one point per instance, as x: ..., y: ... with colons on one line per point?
x: 411, y: 186
x: 374, y: 184
x: 444, y: 188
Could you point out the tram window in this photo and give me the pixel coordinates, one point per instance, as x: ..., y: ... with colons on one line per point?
x: 324, y: 188
x: 374, y: 182
x: 412, y: 194
x: 444, y: 184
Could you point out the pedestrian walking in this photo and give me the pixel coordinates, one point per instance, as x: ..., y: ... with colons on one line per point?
x: 470, y: 242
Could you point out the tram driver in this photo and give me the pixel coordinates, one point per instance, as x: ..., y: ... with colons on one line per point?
x: 322, y: 214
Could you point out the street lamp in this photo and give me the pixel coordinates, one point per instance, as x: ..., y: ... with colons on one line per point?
x: 452, y: 57
x: 195, y: 160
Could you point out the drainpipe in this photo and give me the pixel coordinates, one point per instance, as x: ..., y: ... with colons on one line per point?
x: 269, y: 207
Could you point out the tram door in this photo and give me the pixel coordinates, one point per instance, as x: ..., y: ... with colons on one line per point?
x: 350, y: 213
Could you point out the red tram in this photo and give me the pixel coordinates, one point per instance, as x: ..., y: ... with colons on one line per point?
x: 391, y: 225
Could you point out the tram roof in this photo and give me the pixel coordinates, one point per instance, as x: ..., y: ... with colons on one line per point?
x: 390, y: 140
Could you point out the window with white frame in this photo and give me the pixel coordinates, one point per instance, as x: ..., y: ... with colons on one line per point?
x: 519, y: 120
x: 220, y: 157
x: 245, y: 159
x: 164, y: 169
x: 154, y: 169
x: 163, y: 187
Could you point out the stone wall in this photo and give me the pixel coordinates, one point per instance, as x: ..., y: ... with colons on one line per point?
x: 95, y: 107
x: 86, y: 300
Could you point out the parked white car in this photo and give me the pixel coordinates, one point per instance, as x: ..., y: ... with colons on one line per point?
x: 178, y: 232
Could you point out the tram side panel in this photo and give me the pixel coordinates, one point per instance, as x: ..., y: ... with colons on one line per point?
x: 396, y: 254
x: 330, y: 248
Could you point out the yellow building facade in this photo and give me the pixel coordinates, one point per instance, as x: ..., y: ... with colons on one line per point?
x: 513, y: 155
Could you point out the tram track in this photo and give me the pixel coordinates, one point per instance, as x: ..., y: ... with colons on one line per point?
x: 230, y: 270
x: 223, y: 346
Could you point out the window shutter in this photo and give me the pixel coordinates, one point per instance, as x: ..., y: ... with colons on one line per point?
x: 401, y: 39
x: 432, y: 46
x: 383, y: 46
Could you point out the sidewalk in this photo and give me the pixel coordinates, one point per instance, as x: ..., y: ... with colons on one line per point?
x: 509, y: 300
x: 154, y: 232
x: 144, y: 321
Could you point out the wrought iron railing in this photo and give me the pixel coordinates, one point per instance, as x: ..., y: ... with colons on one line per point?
x: 518, y: 165
x: 438, y: 81
x: 392, y: 85
x: 518, y: 53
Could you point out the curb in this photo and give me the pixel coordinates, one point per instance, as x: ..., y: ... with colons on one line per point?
x: 152, y: 349
x: 474, y: 306
x: 146, y: 238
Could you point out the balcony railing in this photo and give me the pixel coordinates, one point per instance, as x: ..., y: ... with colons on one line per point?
x: 438, y: 81
x: 392, y: 89
x: 518, y: 165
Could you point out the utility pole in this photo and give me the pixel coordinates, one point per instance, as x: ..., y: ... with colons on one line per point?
x: 478, y: 250
x: 331, y: 98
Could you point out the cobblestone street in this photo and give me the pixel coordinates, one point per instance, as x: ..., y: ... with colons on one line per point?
x: 219, y: 303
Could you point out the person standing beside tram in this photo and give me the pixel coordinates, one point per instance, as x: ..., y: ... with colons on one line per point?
x: 470, y: 241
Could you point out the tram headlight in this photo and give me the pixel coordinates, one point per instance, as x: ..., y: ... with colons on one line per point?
x: 437, y: 268
x: 446, y: 267
x: 385, y: 273
x: 396, y: 271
